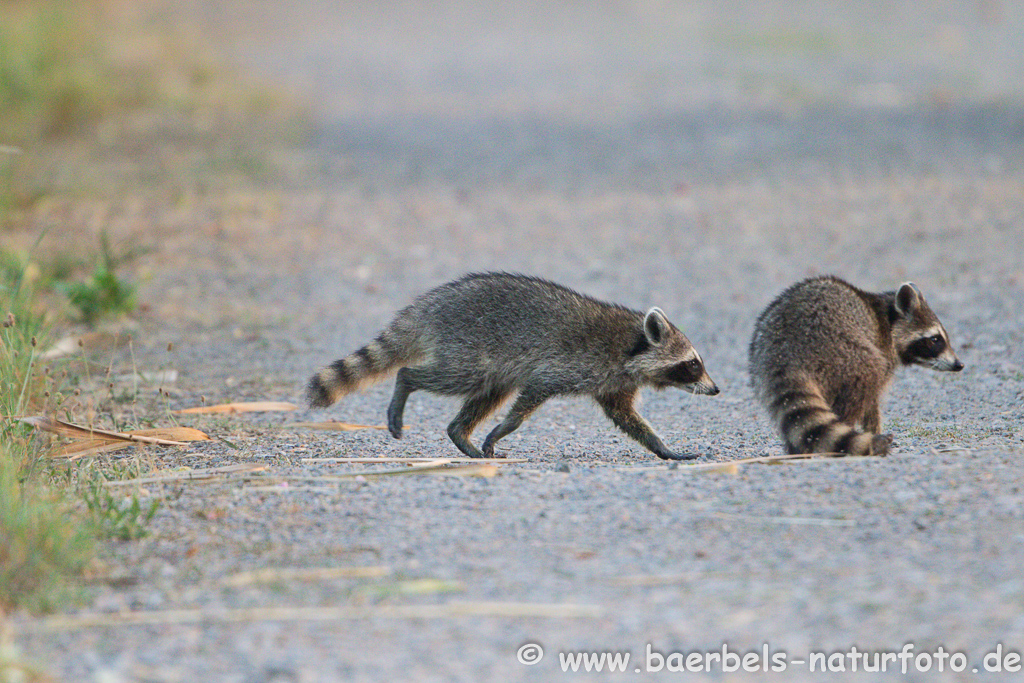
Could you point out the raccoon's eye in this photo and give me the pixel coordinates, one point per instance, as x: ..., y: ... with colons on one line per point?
x: 685, y: 372
x: 928, y: 347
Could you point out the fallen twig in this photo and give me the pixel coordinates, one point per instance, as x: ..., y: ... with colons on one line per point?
x: 241, y: 407
x: 371, y: 461
x: 653, y: 579
x: 441, y: 467
x: 280, y: 574
x: 724, y: 464
x: 815, y: 521
x: 189, y: 475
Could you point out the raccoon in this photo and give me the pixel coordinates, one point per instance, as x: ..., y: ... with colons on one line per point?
x: 489, y: 335
x: 824, y: 352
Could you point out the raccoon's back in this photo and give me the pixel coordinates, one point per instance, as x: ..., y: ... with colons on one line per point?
x: 514, y: 325
x: 822, y: 328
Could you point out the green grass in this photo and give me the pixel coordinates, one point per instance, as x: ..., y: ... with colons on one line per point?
x: 103, y: 293
x: 44, y: 548
x: 50, y: 518
x: 124, y: 520
x: 66, y: 65
x: 51, y: 68
x: 100, y: 294
x: 43, y: 543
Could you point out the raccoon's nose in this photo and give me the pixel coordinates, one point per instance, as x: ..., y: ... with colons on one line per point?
x: 714, y: 390
x: 957, y: 366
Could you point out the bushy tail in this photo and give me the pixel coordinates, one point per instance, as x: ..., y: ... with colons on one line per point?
x: 387, y: 353
x: 808, y: 425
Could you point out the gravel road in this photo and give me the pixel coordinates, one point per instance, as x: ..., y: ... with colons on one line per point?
x: 699, y: 157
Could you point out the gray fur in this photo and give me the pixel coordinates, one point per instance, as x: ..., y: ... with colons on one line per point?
x: 488, y: 336
x: 824, y: 352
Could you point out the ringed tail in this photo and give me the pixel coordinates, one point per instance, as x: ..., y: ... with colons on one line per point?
x: 368, y: 365
x: 808, y: 425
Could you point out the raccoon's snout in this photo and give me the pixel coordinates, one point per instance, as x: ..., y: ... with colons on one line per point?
x: 711, y: 390
x: 945, y: 364
x: 705, y: 387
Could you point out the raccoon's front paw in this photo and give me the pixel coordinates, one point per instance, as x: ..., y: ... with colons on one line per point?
x: 880, y: 444
x: 669, y: 455
x: 395, y: 427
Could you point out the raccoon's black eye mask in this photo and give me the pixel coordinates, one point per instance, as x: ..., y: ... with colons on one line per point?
x: 686, y: 372
x: 929, y: 347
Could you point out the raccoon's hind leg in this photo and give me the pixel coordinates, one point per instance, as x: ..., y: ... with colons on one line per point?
x: 405, y: 384
x: 619, y: 407
x: 527, y: 402
x: 408, y: 380
x: 474, y: 410
x: 872, y: 421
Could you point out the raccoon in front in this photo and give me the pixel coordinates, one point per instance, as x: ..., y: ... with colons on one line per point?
x: 488, y: 336
x: 823, y: 353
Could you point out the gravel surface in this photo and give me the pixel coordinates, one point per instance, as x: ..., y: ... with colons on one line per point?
x: 645, y: 153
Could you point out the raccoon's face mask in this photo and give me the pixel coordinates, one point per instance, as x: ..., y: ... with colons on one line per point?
x: 675, y: 361
x: 691, y: 376
x: 920, y: 337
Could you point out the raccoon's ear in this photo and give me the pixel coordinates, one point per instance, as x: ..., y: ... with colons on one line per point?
x: 908, y: 299
x: 655, y: 326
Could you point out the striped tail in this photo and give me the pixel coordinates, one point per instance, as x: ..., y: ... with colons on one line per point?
x: 370, y: 364
x: 808, y: 425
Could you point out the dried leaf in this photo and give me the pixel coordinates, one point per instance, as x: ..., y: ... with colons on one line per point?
x: 171, y: 436
x: 174, y: 433
x: 722, y: 468
x: 243, y: 407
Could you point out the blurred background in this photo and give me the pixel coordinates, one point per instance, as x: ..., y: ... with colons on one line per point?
x: 115, y: 105
x: 635, y: 94
x: 217, y: 197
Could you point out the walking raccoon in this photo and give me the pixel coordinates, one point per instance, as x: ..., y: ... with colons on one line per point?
x: 486, y: 336
x: 824, y: 352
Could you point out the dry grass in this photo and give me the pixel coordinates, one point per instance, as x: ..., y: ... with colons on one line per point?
x: 84, y: 87
x: 42, y: 542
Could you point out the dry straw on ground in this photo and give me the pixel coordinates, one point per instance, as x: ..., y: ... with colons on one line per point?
x: 240, y: 407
